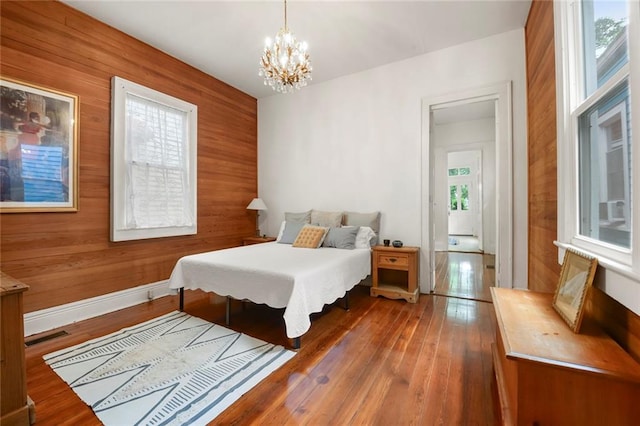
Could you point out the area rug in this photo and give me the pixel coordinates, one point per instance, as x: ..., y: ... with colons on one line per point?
x: 173, y: 370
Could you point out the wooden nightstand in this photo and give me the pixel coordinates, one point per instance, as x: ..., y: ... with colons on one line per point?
x: 395, y: 273
x: 247, y: 241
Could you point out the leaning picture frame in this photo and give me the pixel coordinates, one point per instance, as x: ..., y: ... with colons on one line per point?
x: 38, y: 148
x: 576, y: 277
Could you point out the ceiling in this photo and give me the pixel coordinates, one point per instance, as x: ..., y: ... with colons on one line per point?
x: 225, y: 38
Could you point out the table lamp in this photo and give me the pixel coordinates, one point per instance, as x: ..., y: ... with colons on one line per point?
x: 258, y: 205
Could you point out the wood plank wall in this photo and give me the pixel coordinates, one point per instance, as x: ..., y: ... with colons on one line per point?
x: 65, y: 257
x: 541, y: 106
x: 618, y: 321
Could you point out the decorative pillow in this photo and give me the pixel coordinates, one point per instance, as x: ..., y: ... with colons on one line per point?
x: 310, y: 237
x: 372, y: 220
x: 291, y: 231
x: 342, y: 238
x: 304, y: 217
x: 326, y: 219
x: 365, y: 238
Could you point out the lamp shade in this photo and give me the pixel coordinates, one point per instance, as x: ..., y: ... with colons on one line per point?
x: 257, y: 204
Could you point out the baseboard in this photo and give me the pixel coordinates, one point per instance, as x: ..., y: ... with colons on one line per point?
x: 59, y: 316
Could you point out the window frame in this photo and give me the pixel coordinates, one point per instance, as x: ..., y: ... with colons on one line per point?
x: 120, y: 89
x: 622, y: 267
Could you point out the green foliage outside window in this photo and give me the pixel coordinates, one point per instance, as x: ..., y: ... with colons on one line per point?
x: 453, y: 192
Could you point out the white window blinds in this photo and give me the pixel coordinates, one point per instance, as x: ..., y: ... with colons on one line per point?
x: 157, y: 183
x: 153, y: 164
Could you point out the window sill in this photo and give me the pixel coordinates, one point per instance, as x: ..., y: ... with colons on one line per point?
x: 617, y: 267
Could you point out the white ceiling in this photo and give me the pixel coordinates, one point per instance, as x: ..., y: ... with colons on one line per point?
x: 225, y: 38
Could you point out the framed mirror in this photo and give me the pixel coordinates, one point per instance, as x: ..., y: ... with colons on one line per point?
x: 576, y: 277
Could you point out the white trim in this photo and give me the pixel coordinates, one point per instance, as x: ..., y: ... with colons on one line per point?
x: 501, y: 93
x: 59, y: 316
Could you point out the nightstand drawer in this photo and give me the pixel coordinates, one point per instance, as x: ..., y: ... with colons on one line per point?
x: 399, y: 260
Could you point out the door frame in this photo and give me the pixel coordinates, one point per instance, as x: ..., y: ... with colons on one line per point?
x: 501, y: 93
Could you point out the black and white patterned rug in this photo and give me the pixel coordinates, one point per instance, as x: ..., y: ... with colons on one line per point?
x: 175, y: 369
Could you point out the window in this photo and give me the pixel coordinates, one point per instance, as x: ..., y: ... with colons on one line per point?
x: 459, y: 171
x: 597, y: 46
x: 153, y: 166
x: 459, y: 193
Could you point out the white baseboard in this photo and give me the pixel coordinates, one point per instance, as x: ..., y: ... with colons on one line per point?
x: 58, y: 316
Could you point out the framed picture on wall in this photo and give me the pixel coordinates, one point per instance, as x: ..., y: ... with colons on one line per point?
x: 38, y: 148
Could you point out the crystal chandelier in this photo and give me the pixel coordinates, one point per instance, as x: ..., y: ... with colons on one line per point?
x: 285, y: 63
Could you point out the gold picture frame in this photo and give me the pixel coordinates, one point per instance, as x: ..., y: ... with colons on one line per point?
x: 38, y: 148
x: 576, y: 277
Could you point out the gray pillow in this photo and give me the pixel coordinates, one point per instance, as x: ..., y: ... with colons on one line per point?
x: 327, y: 219
x: 291, y: 231
x: 372, y: 220
x: 342, y: 238
x: 304, y: 217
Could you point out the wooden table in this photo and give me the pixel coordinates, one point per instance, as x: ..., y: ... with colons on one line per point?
x: 548, y: 375
x: 257, y: 240
x: 395, y: 273
x: 14, y: 406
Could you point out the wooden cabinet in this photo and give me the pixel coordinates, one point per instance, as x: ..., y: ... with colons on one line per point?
x: 548, y: 375
x: 14, y: 408
x: 247, y: 241
x: 395, y: 273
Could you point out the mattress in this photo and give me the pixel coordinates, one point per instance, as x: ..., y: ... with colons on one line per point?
x: 300, y: 280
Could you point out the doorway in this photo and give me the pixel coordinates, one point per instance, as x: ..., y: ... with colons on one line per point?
x: 464, y: 192
x: 454, y: 114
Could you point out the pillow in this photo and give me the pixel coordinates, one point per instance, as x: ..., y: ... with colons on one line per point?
x: 310, y: 237
x: 304, y: 217
x: 342, y: 238
x: 279, y: 237
x: 326, y: 219
x: 365, y: 238
x: 291, y: 231
x: 372, y: 220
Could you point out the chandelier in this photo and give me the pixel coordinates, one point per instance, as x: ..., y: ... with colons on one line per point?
x: 285, y: 63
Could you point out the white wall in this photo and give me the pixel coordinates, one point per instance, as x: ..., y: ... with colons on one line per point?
x: 466, y: 136
x: 354, y: 143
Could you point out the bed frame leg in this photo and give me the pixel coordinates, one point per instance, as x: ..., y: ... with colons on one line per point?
x: 228, y: 312
x: 181, y: 299
x: 296, y: 342
x: 346, y: 302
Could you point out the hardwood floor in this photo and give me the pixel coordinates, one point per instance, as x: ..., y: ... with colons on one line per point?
x: 382, y: 362
x: 465, y: 275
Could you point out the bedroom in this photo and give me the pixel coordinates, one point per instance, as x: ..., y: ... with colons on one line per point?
x: 67, y: 257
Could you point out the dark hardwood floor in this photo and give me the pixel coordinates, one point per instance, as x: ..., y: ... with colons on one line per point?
x: 384, y: 362
x: 465, y: 275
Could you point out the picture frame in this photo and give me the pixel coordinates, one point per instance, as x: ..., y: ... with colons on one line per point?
x: 38, y: 148
x: 576, y: 278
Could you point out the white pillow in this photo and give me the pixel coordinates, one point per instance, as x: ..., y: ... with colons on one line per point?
x: 281, y: 231
x: 365, y: 237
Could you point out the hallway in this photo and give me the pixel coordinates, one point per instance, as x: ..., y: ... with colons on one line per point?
x: 465, y: 275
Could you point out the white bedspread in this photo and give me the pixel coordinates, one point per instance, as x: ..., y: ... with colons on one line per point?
x: 278, y: 275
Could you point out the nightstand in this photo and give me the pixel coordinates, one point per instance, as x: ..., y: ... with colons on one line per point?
x: 247, y: 241
x: 395, y: 273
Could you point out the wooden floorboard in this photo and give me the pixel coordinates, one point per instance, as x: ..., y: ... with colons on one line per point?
x: 382, y: 362
x: 465, y: 275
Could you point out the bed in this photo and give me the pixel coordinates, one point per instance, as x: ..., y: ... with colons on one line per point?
x: 300, y: 280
